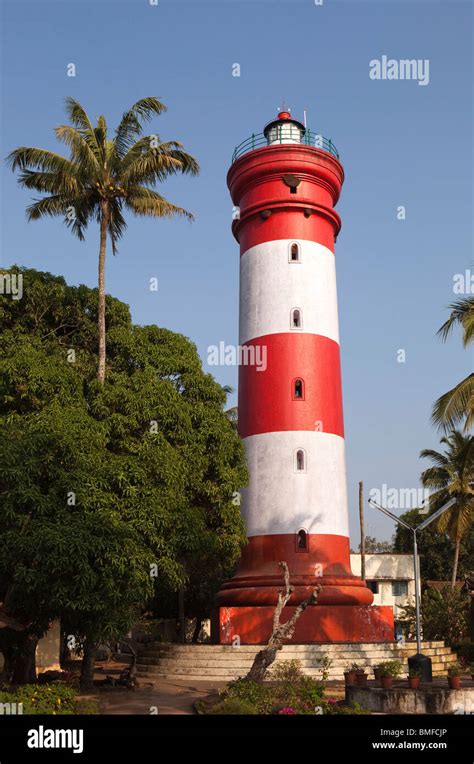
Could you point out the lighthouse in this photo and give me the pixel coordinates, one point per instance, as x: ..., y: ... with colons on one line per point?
x: 285, y: 183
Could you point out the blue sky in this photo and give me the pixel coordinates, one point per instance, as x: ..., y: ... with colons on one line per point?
x: 400, y: 144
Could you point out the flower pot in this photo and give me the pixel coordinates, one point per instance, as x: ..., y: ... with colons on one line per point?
x: 349, y: 677
x: 361, y: 680
x: 454, y: 682
x: 414, y: 682
x: 387, y: 682
x: 377, y: 674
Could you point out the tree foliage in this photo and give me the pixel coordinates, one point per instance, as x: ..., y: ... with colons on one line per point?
x: 457, y: 405
x: 104, y: 486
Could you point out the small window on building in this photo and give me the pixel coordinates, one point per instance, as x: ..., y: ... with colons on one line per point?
x: 296, y: 319
x: 298, y: 389
x: 300, y: 460
x: 294, y: 253
x: 373, y: 586
x: 302, y: 540
x: 399, y: 588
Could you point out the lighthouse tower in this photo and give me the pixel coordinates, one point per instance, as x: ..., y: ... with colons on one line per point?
x: 285, y: 183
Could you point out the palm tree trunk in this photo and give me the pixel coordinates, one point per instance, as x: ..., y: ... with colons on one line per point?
x: 101, y: 313
x: 455, y: 563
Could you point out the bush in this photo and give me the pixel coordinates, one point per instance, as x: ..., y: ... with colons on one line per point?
x: 444, y: 615
x: 338, y: 708
x: 289, y: 691
x: 48, y: 699
x: 390, y: 668
x: 252, y: 693
x: 465, y: 651
x: 233, y: 706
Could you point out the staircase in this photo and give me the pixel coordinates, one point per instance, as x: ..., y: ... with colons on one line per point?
x: 224, y: 662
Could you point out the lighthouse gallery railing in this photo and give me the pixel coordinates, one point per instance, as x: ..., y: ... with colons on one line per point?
x: 309, y: 138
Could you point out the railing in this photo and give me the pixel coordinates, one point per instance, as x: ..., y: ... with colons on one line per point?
x: 309, y: 138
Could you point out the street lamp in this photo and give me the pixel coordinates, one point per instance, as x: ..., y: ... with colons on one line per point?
x: 419, y: 661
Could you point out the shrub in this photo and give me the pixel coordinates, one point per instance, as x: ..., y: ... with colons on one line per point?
x: 252, y: 693
x: 390, y: 668
x: 234, y: 706
x: 56, y: 698
x: 444, y: 615
x: 339, y: 708
x: 454, y: 669
x: 465, y: 650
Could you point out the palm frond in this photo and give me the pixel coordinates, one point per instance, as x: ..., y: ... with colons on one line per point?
x: 117, y: 224
x: 145, y: 201
x: 148, y: 163
x: 131, y: 123
x: 455, y: 405
x: 435, y: 456
x: 462, y: 312
x: 25, y: 158
x: 50, y: 182
x: 81, y: 150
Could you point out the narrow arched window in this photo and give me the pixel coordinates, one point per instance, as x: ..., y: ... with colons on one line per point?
x: 300, y: 460
x: 294, y: 253
x: 302, y: 540
x: 298, y: 389
x: 296, y: 319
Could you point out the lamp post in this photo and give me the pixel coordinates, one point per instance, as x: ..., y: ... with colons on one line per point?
x: 419, y: 661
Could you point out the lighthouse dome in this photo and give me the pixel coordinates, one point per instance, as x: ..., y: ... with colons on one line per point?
x: 284, y: 129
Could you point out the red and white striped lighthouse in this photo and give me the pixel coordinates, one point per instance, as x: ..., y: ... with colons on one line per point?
x: 285, y: 183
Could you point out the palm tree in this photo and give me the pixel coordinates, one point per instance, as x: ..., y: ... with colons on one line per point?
x: 101, y: 177
x: 458, y: 404
x: 452, y: 476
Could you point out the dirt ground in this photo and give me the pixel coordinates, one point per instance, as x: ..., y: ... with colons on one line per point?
x: 160, y: 696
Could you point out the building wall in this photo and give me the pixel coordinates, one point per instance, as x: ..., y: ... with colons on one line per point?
x: 386, y: 568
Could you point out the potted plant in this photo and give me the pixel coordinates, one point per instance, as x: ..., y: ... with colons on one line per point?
x: 361, y: 676
x: 350, y: 674
x: 414, y: 678
x: 454, y: 676
x: 388, y: 671
x: 377, y: 672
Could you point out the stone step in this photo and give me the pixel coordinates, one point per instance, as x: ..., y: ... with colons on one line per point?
x: 203, y: 677
x: 326, y: 648
x: 238, y: 670
x: 290, y: 654
x: 241, y: 661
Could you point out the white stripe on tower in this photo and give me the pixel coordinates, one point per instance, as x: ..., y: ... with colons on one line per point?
x: 271, y: 286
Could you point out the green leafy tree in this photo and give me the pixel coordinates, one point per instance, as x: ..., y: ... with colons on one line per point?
x: 436, y: 549
x: 102, y: 177
x: 452, y: 476
x: 457, y: 405
x: 374, y: 546
x: 444, y: 615
x: 110, y: 491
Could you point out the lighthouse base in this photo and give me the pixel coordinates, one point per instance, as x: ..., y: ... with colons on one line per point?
x: 319, y: 623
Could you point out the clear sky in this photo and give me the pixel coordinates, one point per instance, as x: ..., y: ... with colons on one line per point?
x: 401, y: 143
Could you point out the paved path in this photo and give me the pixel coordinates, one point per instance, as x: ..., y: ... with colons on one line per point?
x: 164, y: 697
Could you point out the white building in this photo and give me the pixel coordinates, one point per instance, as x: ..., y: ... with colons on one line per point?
x: 391, y: 578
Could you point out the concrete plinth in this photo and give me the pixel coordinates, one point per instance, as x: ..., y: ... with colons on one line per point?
x: 433, y: 698
x: 321, y: 623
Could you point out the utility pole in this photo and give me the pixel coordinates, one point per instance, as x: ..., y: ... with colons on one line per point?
x: 418, y: 661
x: 362, y: 530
